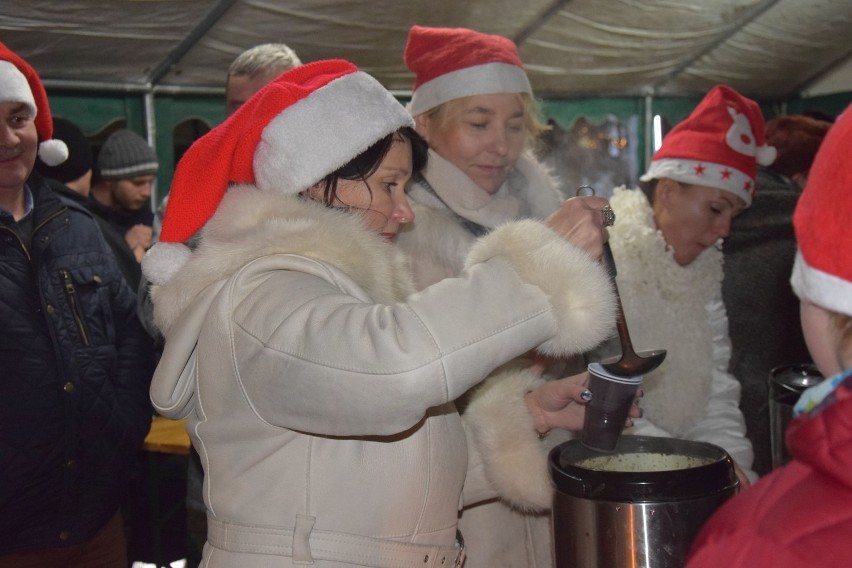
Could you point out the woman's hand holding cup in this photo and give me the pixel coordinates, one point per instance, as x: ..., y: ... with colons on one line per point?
x: 562, y: 404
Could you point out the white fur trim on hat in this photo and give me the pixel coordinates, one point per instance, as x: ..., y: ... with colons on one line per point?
x: 485, y: 79
x: 163, y: 260
x: 702, y: 173
x: 322, y: 132
x: 53, y: 152
x: 821, y: 288
x: 765, y: 155
x: 14, y: 86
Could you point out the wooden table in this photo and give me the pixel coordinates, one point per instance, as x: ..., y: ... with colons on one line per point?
x: 167, y: 437
x: 166, y: 442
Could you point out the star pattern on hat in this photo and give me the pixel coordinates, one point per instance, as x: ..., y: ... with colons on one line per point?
x: 720, y: 144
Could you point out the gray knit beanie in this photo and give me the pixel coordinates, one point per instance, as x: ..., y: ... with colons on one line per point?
x: 125, y: 155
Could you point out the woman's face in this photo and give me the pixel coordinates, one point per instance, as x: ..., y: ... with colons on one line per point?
x: 693, y: 217
x: 482, y: 135
x: 380, y: 199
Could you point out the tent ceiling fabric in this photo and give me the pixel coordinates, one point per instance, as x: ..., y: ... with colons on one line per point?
x: 572, y: 48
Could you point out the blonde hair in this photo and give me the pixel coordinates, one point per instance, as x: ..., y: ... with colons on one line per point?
x: 534, y: 125
x: 264, y: 58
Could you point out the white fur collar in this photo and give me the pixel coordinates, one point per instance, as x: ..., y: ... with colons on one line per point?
x: 250, y: 224
x: 528, y: 192
x: 437, y: 241
x: 666, y: 307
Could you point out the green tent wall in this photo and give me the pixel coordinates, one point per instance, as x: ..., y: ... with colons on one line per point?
x: 179, y: 119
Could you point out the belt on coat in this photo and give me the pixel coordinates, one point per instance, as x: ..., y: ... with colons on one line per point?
x: 304, y: 545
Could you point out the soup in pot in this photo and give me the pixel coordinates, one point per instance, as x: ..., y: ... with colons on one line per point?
x: 643, y: 461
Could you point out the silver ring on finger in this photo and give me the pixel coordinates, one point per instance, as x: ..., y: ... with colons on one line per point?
x: 608, y: 216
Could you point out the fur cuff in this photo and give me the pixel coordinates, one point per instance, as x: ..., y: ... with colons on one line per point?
x: 578, y: 287
x: 515, y: 460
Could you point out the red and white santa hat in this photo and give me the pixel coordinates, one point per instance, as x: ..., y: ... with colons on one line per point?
x: 19, y: 83
x: 718, y: 145
x: 450, y: 63
x: 822, y: 272
x: 302, y: 126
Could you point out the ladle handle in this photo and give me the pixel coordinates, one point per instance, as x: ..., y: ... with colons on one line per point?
x: 610, y: 262
x: 620, y: 322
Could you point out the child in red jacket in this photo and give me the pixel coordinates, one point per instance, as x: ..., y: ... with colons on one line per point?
x: 801, y: 514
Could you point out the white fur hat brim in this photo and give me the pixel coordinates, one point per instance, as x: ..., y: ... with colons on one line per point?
x: 324, y: 131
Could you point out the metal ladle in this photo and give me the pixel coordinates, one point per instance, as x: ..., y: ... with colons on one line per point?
x: 630, y: 363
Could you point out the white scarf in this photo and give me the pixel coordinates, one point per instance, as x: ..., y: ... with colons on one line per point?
x: 528, y: 192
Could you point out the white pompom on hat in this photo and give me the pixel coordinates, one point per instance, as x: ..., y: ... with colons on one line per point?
x: 451, y: 63
x: 20, y: 83
x: 822, y: 271
x: 718, y: 145
x: 299, y: 128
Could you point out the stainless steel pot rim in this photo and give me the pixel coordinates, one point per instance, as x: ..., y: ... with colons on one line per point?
x: 571, y: 479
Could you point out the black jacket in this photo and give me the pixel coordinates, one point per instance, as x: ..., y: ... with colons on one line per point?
x: 763, y: 311
x: 76, y: 367
x: 127, y: 263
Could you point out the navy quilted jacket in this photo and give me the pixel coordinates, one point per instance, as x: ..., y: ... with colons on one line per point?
x: 75, y: 368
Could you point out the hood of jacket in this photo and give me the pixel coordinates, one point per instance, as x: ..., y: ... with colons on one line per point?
x: 822, y: 438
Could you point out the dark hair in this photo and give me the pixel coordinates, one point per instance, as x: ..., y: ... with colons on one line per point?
x: 367, y: 162
x: 797, y: 139
x: 649, y: 188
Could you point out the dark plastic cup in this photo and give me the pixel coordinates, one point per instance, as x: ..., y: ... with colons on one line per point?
x: 606, y: 413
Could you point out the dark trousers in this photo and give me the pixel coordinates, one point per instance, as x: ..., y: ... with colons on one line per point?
x: 106, y: 549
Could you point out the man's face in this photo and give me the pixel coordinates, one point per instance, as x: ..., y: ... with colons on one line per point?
x: 132, y: 194
x: 240, y: 88
x: 18, y: 145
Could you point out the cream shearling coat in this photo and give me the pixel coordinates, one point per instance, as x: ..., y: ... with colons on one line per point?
x: 498, y: 534
x: 319, y: 392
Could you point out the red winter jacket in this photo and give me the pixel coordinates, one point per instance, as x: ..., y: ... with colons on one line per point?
x: 799, y: 515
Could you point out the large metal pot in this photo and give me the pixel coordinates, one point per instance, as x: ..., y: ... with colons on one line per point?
x: 640, y: 507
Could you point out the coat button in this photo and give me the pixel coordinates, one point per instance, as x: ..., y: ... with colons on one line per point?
x: 98, y: 278
x: 71, y: 464
x: 64, y: 535
x: 50, y: 309
x: 69, y: 387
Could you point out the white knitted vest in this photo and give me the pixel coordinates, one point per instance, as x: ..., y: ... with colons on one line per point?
x: 665, y: 305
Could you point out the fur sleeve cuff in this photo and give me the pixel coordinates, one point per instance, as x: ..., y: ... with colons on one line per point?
x: 577, y: 286
x: 502, y: 429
